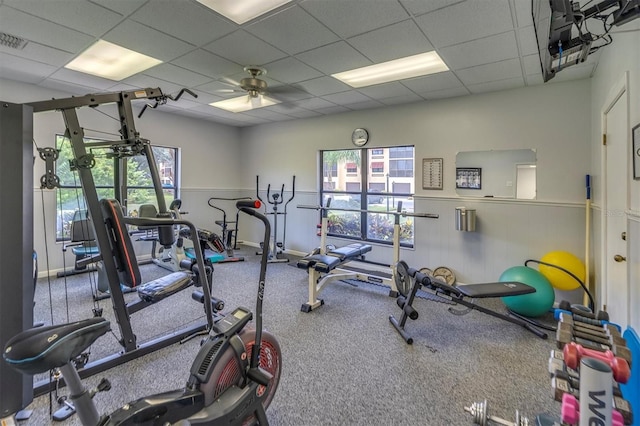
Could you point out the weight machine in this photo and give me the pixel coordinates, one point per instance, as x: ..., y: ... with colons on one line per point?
x: 129, y: 144
x: 275, y: 247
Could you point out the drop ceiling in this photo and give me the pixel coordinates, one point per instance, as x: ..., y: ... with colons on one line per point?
x: 488, y: 45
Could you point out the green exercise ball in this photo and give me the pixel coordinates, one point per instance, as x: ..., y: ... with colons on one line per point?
x: 532, y: 304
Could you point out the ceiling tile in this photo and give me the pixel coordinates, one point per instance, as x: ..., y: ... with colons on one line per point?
x: 44, y: 32
x: 253, y: 52
x: 575, y: 72
x: 324, y: 86
x: 439, y: 81
x: 78, y: 15
x: 332, y: 110
x: 466, y: 21
x: 523, y: 13
x: 446, y: 93
x: 346, y: 98
x: 315, y: 104
x: 267, y: 114
x: 303, y: 113
x: 40, y: 53
x: 292, y: 30
x: 123, y: 7
x: 405, y: 99
x: 365, y: 105
x: 491, y: 72
x: 419, y: 7
x: 218, y: 88
x: 290, y: 70
x: 25, y: 70
x: 534, y: 79
x: 478, y: 52
x: 392, y: 42
x: 206, y: 63
x: 348, y: 18
x: 528, y: 43
x: 334, y: 58
x: 386, y: 90
x: 177, y: 75
x: 188, y: 21
x: 144, y: 81
x: 147, y: 40
x: 83, y: 79
x: 66, y: 87
x: 494, y: 86
x: 532, y: 65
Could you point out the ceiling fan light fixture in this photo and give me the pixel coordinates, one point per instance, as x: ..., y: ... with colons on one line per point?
x: 242, y: 11
x: 244, y: 103
x: 397, y: 69
x: 110, y: 61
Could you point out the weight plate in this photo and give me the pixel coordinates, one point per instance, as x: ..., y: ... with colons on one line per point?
x: 402, y: 278
x: 427, y: 271
x: 446, y: 274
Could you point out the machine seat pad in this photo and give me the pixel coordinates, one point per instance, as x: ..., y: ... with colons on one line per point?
x: 158, y: 289
x: 40, y: 349
x: 499, y: 289
x: 85, y: 251
x: 350, y: 251
x: 221, y: 222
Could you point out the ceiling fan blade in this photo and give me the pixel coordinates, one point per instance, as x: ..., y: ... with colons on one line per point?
x: 229, y: 82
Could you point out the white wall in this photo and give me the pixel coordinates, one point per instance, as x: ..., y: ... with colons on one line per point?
x: 210, y: 157
x: 552, y: 119
x: 623, y: 55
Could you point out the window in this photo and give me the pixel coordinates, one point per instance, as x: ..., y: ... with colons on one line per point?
x: 70, y: 197
x: 372, y: 190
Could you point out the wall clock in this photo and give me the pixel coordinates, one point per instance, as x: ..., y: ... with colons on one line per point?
x: 360, y: 137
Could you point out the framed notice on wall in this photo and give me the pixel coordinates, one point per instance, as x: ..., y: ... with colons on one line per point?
x: 432, y: 173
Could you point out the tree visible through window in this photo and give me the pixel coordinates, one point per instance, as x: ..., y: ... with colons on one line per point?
x: 369, y: 179
x: 70, y: 197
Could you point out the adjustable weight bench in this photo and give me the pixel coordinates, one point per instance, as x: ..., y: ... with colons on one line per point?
x: 127, y: 265
x: 409, y: 281
x: 325, y: 268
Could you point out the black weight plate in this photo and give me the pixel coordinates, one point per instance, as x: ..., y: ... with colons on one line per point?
x: 402, y: 278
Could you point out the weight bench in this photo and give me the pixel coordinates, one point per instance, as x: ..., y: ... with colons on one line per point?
x: 127, y: 265
x: 409, y: 281
x: 82, y: 244
x: 326, y: 268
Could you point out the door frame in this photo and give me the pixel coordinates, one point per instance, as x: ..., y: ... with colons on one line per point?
x: 619, y: 88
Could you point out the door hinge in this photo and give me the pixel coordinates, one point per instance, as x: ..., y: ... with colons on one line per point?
x: 604, y: 139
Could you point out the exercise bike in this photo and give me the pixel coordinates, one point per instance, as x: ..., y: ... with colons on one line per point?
x: 232, y: 379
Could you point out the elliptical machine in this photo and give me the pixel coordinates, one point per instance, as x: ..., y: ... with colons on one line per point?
x: 232, y: 379
x: 275, y: 247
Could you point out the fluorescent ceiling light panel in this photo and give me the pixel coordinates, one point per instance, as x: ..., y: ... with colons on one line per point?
x: 244, y: 103
x: 398, y: 69
x: 111, y: 61
x: 241, y: 11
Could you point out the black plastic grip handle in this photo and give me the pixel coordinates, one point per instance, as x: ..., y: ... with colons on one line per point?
x: 251, y: 204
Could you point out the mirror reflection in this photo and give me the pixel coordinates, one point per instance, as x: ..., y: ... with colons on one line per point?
x: 497, y: 173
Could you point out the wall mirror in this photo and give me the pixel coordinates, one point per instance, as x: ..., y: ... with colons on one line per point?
x: 509, y: 173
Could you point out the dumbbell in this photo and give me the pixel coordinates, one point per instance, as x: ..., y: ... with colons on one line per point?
x: 573, y: 382
x: 481, y: 417
x: 562, y: 387
x: 602, y: 335
x: 571, y: 412
x: 600, y: 315
x: 573, y: 352
x: 566, y: 333
x: 601, y: 326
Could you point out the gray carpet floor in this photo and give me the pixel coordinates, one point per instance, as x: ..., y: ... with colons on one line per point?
x: 343, y: 364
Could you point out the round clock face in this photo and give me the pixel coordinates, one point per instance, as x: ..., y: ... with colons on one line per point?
x: 360, y: 137
x: 446, y: 274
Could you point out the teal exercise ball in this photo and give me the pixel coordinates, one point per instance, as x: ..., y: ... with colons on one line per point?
x: 532, y: 304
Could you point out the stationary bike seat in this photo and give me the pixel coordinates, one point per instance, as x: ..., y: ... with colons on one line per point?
x: 40, y: 349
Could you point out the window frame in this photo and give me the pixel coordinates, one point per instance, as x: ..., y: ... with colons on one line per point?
x: 360, y: 199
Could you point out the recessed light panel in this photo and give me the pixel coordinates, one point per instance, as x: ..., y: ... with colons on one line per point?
x: 397, y: 69
x: 244, y: 103
x: 241, y: 11
x: 111, y: 61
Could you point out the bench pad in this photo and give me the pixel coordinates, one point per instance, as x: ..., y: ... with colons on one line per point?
x: 158, y: 289
x: 327, y: 262
x: 499, y: 289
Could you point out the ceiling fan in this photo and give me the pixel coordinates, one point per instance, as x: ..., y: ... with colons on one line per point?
x: 257, y: 89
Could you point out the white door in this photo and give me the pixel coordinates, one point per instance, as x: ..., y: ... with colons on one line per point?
x: 615, y: 283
